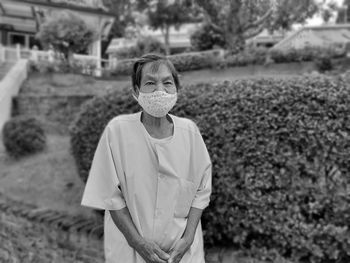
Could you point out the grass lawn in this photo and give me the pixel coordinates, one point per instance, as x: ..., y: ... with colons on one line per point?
x: 48, y: 179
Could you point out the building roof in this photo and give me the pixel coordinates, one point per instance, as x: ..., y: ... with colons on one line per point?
x: 267, y: 37
x: 334, y: 33
x: 27, y: 15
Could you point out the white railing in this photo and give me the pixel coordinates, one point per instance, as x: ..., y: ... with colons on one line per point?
x: 9, y: 87
x: 13, y: 54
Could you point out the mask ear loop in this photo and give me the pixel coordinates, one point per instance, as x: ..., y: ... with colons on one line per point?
x: 133, y: 95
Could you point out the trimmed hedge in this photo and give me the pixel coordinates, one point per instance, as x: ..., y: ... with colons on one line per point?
x: 305, y: 54
x: 249, y: 56
x: 182, y: 62
x: 280, y: 151
x: 144, y: 44
x: 23, y: 136
x: 60, y: 66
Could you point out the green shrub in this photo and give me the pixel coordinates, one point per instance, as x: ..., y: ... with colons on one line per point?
x: 249, y: 56
x: 75, y: 66
x: 127, y: 53
x: 67, y: 33
x: 145, y: 44
x: 148, y: 44
x: 182, y: 62
x: 324, y: 64
x: 124, y: 67
x: 194, y: 60
x: 23, y: 136
x: 308, y: 53
x: 280, y: 151
x: 206, y: 37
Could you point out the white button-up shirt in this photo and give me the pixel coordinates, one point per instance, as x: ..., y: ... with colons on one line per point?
x: 158, y: 180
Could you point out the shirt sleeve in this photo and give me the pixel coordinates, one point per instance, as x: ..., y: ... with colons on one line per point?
x: 102, y: 187
x: 202, y: 197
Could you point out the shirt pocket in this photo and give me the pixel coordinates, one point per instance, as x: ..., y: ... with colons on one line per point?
x: 185, y: 195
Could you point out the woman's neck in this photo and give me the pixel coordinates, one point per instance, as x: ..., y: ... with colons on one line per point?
x: 158, y: 127
x: 154, y: 122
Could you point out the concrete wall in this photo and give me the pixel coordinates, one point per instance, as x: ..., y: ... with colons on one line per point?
x: 9, y: 87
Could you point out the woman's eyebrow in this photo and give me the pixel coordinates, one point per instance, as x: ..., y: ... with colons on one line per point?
x: 168, y: 78
x: 152, y: 77
x: 149, y: 76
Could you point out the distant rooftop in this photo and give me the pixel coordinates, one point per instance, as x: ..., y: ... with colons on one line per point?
x: 27, y: 15
x: 324, y: 34
x: 178, y: 38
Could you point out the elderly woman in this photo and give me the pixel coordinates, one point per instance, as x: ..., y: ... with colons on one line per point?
x: 151, y: 173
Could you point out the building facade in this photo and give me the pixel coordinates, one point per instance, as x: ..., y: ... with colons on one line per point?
x: 20, y: 20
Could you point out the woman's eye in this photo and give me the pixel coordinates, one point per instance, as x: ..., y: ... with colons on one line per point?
x: 168, y: 83
x: 149, y: 83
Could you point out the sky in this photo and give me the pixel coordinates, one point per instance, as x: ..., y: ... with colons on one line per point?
x: 317, y: 20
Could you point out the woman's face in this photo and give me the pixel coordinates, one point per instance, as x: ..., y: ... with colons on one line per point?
x: 157, y: 77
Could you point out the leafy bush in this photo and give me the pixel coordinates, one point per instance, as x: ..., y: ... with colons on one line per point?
x: 280, y: 151
x: 194, y: 60
x: 182, y: 62
x: 67, y: 33
x: 249, y: 56
x: 305, y: 54
x: 324, y: 64
x: 145, y: 44
x: 206, y: 37
x: 23, y: 136
x: 61, y: 66
x: 124, y: 67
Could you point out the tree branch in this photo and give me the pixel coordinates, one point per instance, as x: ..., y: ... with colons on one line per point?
x: 253, y: 33
x: 216, y: 27
x: 259, y: 21
x: 210, y: 10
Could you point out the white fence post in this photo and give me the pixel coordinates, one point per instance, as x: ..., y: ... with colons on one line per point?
x: 2, y: 53
x: 113, y: 61
x: 18, y: 51
x: 99, y: 67
x: 34, y: 54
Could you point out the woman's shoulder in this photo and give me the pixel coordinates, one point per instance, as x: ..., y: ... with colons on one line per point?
x: 123, y: 119
x: 186, y: 124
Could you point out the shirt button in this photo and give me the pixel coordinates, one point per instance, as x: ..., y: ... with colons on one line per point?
x: 158, y: 212
x: 161, y: 176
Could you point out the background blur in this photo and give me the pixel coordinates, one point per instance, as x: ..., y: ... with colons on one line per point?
x: 265, y: 80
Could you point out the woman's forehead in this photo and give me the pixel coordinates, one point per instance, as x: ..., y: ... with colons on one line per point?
x: 156, y: 68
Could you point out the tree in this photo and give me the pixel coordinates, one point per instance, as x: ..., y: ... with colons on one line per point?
x: 164, y: 14
x: 329, y: 10
x: 206, y: 37
x: 344, y: 13
x: 239, y: 20
x: 124, y: 17
x: 67, y: 33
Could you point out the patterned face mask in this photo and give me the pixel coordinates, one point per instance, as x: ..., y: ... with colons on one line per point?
x: 157, y: 103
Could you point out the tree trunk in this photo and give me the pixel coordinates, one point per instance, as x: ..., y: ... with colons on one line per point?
x: 235, y: 43
x: 234, y: 38
x: 166, y: 40
x: 70, y: 57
